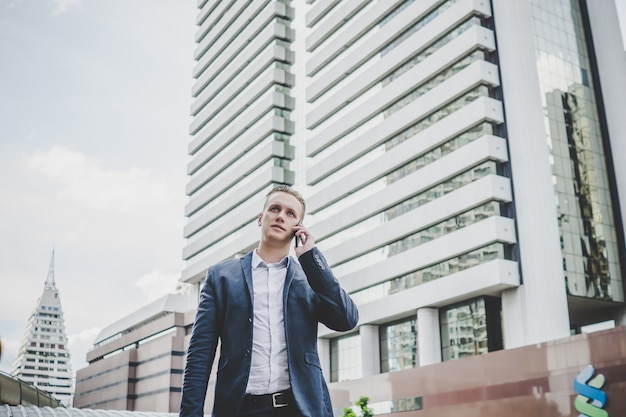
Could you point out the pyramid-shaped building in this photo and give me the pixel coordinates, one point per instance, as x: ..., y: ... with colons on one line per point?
x: 43, y: 358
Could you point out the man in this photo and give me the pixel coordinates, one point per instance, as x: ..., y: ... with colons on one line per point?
x: 264, y: 308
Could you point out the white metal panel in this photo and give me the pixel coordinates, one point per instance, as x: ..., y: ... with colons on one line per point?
x: 243, y: 120
x: 210, y: 82
x: 222, y: 85
x: 249, y: 48
x: 200, y: 261
x: 206, y: 224
x: 258, y: 181
x: 320, y: 9
x: 230, y: 149
x: 477, y: 73
x: 339, y: 16
x: 206, y: 8
x: 196, y: 267
x: 215, y: 23
x: 491, y: 187
x: 480, y: 150
x: 418, y: 219
x: 475, y: 38
x: 228, y: 108
x: 539, y: 242
x: 490, y: 278
x: 237, y: 35
x: 426, y: 35
x: 356, y: 29
x: 487, y: 231
x: 475, y: 112
x: 232, y: 171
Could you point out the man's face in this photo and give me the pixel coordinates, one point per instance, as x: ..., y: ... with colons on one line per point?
x: 282, y: 213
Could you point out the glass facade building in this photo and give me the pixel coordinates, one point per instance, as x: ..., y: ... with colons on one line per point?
x: 585, y: 207
x: 462, y: 162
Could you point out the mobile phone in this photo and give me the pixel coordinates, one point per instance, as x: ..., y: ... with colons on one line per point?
x: 297, y: 238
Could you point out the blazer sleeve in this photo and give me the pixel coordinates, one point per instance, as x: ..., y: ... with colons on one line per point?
x: 201, y: 352
x: 337, y: 311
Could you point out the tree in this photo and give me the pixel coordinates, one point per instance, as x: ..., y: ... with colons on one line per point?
x: 362, y: 404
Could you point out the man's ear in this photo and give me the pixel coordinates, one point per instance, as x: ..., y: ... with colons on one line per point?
x: 259, y: 218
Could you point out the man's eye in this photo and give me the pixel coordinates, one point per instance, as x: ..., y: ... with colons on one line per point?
x: 292, y: 214
x: 274, y: 209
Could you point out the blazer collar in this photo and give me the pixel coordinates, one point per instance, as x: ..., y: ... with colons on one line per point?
x: 256, y: 260
x: 246, y: 267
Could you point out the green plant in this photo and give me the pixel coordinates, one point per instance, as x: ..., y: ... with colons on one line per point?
x: 348, y: 412
x: 362, y: 404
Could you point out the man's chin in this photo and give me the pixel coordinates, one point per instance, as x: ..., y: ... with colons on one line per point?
x: 279, y: 238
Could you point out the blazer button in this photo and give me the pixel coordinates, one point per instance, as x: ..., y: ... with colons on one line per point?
x: 247, y: 353
x: 249, y: 321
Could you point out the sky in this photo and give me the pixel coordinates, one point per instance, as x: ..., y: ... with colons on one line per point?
x: 94, y: 119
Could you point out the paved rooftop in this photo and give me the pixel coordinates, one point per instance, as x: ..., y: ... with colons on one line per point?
x: 30, y: 411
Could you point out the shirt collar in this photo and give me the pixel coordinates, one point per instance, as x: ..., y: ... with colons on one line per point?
x: 257, y: 261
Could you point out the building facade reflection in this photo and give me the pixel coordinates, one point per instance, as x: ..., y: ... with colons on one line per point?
x: 585, y: 206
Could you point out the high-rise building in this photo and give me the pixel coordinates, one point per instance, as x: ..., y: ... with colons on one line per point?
x: 43, y: 358
x: 463, y: 163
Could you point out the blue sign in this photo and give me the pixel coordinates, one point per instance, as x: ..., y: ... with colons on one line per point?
x: 591, y: 399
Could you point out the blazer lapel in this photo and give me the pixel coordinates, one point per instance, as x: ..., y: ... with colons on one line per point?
x: 246, y: 267
x: 291, y: 273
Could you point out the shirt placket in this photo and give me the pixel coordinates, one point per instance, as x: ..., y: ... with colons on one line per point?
x: 273, y: 285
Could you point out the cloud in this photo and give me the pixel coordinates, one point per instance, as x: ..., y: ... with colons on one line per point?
x: 9, y: 4
x: 156, y: 284
x: 79, y: 344
x: 9, y: 352
x: 61, y: 6
x: 117, y: 233
x: 83, y: 181
x: 101, y: 180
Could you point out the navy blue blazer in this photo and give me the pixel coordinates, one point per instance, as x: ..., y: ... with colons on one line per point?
x: 311, y: 295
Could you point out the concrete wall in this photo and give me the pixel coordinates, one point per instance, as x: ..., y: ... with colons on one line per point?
x: 533, y: 381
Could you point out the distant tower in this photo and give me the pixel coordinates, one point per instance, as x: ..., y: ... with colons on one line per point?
x: 43, y: 359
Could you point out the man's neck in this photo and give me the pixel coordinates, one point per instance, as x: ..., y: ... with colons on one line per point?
x: 271, y: 254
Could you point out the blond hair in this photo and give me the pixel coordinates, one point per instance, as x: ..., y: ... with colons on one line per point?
x: 285, y: 189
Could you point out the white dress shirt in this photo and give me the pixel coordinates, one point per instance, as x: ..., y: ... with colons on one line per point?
x: 270, y: 371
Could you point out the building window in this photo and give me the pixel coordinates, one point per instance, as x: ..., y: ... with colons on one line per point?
x: 430, y: 273
x: 380, y: 254
x: 436, y: 81
x: 420, y: 162
x: 420, y: 24
x: 471, y: 328
x: 398, y: 345
x: 345, y: 358
x: 587, y: 223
